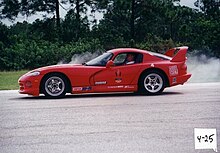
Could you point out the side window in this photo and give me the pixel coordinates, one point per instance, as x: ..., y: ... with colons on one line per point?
x: 128, y: 59
x: 120, y: 59
x: 139, y: 58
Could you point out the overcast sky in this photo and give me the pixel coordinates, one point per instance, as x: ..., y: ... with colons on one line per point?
x: 189, y: 3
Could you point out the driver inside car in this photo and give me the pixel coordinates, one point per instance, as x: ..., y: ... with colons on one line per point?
x: 130, y: 59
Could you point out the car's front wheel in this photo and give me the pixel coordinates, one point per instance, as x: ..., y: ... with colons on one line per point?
x: 152, y: 82
x: 54, y: 86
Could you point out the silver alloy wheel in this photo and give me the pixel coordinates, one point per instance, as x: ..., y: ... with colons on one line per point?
x: 54, y: 86
x: 153, y: 83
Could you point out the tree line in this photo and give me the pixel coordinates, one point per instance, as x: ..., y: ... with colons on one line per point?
x: 154, y: 25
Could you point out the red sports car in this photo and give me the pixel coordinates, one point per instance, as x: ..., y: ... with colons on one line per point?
x: 117, y: 70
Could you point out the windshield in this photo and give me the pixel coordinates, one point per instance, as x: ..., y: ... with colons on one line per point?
x: 100, y: 60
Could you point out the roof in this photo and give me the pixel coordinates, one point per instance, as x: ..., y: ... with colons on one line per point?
x: 120, y: 50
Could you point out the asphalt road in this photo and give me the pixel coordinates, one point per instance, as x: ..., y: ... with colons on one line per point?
x: 109, y: 123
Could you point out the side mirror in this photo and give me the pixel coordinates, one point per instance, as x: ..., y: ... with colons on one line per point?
x: 109, y: 64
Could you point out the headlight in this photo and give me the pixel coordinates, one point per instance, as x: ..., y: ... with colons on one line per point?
x: 35, y: 73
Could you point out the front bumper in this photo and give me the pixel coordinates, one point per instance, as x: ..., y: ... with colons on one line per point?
x: 29, y: 85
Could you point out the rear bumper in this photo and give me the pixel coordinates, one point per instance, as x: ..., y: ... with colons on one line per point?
x: 179, y: 79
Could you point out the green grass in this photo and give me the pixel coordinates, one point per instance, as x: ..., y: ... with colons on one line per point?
x: 9, y: 80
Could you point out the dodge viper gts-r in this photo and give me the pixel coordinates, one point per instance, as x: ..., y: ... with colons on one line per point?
x: 149, y: 73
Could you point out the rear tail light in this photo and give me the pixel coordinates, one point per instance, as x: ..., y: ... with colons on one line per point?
x: 184, y: 66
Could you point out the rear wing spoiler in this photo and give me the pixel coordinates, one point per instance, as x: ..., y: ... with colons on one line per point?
x: 178, y: 54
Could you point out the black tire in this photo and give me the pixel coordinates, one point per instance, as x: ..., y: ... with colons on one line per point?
x: 151, y: 82
x: 54, y: 86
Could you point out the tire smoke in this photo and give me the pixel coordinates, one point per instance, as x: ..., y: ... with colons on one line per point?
x: 81, y: 58
x: 85, y: 57
x: 204, y: 69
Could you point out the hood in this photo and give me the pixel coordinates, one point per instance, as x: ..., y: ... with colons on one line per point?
x: 57, y: 67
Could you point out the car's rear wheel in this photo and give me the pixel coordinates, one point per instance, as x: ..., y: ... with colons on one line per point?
x: 54, y: 86
x: 152, y: 82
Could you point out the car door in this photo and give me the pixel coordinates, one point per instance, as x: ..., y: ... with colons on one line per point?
x: 118, y: 76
